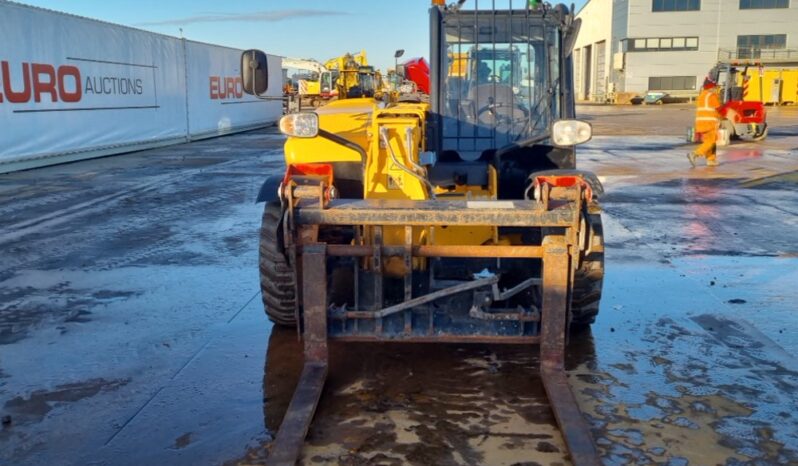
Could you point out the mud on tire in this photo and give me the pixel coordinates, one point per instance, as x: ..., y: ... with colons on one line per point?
x: 277, y: 283
x: 588, y: 279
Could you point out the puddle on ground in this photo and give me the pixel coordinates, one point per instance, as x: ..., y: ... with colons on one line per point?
x: 418, y: 404
x: 34, y: 407
x: 737, y: 154
x: 705, y: 394
x: 183, y: 441
x: 780, y: 180
x: 690, y: 395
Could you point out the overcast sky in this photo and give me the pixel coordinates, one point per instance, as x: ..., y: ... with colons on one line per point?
x: 319, y: 29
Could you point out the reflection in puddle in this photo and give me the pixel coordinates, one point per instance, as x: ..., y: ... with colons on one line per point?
x: 684, y: 394
x: 734, y: 154
x: 691, y: 395
x: 422, y: 404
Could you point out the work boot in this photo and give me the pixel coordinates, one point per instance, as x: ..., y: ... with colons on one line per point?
x: 691, y: 158
x: 712, y: 162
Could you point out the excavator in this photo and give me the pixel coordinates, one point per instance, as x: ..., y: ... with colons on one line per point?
x: 346, y: 76
x: 459, y: 220
x: 308, y: 80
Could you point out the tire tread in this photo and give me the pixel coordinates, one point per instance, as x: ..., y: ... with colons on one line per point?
x: 277, y: 281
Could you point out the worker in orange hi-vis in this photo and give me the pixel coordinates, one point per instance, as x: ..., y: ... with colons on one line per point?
x: 706, y: 124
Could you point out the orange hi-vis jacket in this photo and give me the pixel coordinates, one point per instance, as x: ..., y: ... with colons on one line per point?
x: 706, y: 115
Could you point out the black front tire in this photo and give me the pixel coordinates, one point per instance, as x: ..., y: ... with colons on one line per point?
x: 589, y: 278
x: 277, y: 281
x: 761, y: 135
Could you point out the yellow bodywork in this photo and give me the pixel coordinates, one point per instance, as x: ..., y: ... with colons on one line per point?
x: 458, y: 64
x: 308, y: 87
x: 389, y: 134
x: 772, y: 86
x: 339, y: 63
x: 348, y: 66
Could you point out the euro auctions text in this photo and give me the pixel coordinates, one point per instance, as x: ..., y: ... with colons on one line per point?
x: 64, y: 83
x: 26, y: 82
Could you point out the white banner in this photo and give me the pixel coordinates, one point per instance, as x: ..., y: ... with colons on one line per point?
x: 217, y: 102
x: 73, y: 88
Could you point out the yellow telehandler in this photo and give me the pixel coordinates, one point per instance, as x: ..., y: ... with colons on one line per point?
x: 463, y: 219
x: 353, y: 77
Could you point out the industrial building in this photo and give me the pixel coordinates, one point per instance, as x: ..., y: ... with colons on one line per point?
x: 629, y: 47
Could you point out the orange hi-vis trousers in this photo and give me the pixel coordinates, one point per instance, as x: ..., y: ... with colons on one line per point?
x: 706, y: 123
x: 708, y: 147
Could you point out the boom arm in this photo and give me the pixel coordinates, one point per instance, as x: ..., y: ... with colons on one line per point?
x: 304, y: 64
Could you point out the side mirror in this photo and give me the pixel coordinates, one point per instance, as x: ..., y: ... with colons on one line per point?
x: 254, y: 72
x: 572, y: 32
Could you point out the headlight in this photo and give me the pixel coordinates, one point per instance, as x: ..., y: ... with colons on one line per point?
x: 571, y: 132
x: 300, y: 125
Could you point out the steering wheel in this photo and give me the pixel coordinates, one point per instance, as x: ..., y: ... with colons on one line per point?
x: 506, y: 122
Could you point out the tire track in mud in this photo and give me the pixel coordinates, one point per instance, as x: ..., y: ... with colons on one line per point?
x: 31, y: 198
x: 21, y: 229
x: 143, y: 208
x: 155, y: 222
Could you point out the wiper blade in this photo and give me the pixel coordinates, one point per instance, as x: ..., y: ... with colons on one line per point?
x: 534, y: 110
x: 525, y: 143
x: 546, y: 96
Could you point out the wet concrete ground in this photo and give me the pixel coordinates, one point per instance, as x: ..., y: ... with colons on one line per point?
x: 668, y: 120
x: 131, y: 330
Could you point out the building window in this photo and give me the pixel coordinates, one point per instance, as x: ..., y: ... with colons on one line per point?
x: 677, y: 5
x: 661, y: 44
x: 757, y: 4
x: 752, y: 46
x: 671, y: 83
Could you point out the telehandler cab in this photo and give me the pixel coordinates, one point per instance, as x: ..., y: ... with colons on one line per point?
x: 459, y: 220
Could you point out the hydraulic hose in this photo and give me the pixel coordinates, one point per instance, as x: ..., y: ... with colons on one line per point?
x: 409, y: 144
x: 423, y: 180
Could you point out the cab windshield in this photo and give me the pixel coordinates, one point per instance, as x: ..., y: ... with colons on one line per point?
x: 502, y: 80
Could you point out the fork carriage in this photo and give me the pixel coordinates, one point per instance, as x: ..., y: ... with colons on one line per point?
x: 431, y: 309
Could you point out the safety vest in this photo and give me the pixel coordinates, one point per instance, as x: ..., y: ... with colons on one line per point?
x: 706, y: 115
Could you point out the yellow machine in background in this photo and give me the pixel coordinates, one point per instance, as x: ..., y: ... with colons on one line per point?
x: 307, y: 79
x: 771, y: 86
x: 345, y: 60
x: 353, y: 77
x: 458, y: 67
x: 342, y: 77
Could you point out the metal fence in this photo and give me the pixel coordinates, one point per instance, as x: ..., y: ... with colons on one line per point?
x: 759, y: 54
